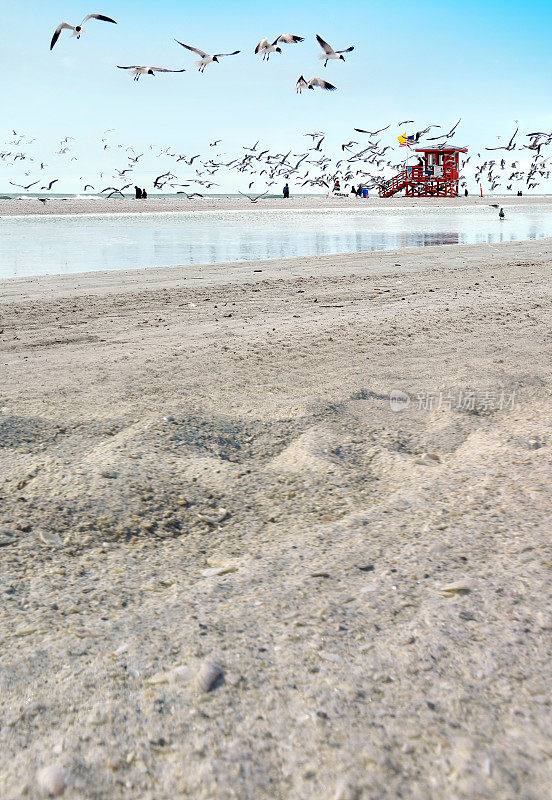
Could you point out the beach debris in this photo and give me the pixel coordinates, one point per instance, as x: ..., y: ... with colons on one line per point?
x: 208, y: 676
x: 108, y: 473
x: 212, y: 572
x: 7, y: 536
x: 427, y: 459
x: 181, y: 674
x: 320, y: 574
x: 158, y: 678
x: 460, y: 587
x: 346, y: 790
x: 50, y: 538
x: 233, y: 678
x: 214, y: 518
x: 51, y: 781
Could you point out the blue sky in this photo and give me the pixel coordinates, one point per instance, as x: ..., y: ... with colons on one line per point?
x: 487, y: 62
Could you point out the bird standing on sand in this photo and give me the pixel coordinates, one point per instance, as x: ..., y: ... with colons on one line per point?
x: 206, y: 59
x: 77, y: 29
x: 501, y: 214
x: 302, y: 83
x: 329, y: 53
x: 264, y: 47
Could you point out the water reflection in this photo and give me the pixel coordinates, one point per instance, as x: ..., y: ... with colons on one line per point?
x: 57, y: 245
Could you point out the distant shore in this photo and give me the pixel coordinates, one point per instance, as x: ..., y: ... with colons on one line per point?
x: 157, y: 205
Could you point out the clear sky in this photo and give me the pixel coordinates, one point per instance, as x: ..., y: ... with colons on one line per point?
x: 489, y: 62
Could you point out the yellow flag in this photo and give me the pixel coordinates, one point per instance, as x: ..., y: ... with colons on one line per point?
x: 402, y: 139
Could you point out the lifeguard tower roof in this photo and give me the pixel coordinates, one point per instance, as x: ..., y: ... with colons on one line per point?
x: 441, y: 148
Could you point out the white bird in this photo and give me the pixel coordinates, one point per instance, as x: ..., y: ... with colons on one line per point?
x: 322, y: 84
x: 137, y: 70
x: 265, y: 48
x: 77, y: 29
x: 206, y: 59
x: 329, y: 52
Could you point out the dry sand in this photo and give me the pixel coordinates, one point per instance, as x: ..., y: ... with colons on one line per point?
x: 201, y: 464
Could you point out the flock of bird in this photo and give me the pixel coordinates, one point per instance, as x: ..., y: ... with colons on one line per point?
x: 368, y: 161
x: 264, y: 48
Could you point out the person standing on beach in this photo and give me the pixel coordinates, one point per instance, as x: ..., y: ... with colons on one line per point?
x: 138, y: 192
x: 144, y: 194
x: 286, y: 191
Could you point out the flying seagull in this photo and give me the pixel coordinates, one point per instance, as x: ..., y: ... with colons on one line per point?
x: 445, y: 135
x: 206, y: 59
x: 77, y: 29
x: 371, y: 133
x: 137, y: 71
x: 266, y: 48
x: 20, y: 186
x: 509, y: 146
x: 322, y: 84
x: 329, y: 52
x: 254, y: 199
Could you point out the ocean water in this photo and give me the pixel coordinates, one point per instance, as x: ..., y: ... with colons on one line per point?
x: 53, y: 245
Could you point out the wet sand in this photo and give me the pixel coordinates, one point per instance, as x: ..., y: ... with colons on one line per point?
x: 155, y: 205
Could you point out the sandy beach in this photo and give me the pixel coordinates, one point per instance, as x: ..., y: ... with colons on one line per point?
x: 154, y: 205
x: 212, y: 464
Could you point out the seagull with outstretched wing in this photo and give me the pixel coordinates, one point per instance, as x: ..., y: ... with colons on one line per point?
x: 302, y: 83
x: 445, y: 135
x: 20, y: 186
x: 329, y: 53
x: 137, y: 71
x: 77, y: 29
x: 372, y: 133
x: 206, y: 59
x: 265, y: 48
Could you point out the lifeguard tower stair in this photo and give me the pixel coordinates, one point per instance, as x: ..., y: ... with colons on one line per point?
x: 436, y: 176
x: 394, y: 184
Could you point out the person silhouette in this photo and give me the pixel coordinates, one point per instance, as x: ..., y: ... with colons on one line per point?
x: 138, y: 193
x: 286, y: 191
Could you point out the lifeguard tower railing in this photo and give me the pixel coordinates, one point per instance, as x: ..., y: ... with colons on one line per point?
x: 422, y: 181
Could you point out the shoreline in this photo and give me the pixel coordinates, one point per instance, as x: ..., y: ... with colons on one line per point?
x: 371, y: 264
x: 155, y: 205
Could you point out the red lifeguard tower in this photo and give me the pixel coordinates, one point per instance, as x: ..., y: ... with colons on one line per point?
x: 435, y: 175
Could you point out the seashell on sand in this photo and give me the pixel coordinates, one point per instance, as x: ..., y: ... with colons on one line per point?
x: 427, y: 459
x: 214, y: 518
x: 208, y: 676
x: 51, y: 781
x: 456, y: 588
x: 212, y: 572
x: 49, y: 538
